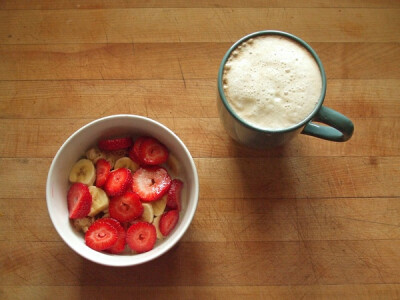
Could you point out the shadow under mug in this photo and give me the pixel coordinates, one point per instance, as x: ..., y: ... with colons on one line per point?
x: 339, y: 129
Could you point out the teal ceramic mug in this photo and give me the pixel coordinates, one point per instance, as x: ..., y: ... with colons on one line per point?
x: 337, y: 127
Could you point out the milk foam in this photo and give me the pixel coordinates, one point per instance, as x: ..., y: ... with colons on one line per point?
x: 272, y: 82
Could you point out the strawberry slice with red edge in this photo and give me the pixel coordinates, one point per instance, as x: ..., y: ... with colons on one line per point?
x: 134, y: 152
x: 125, y: 208
x: 115, y: 144
x: 174, y: 194
x: 118, y: 181
x: 152, y: 152
x: 79, y: 200
x: 101, y: 235
x: 141, y: 237
x: 103, y: 168
x: 151, y: 183
x: 168, y: 221
x: 119, y: 246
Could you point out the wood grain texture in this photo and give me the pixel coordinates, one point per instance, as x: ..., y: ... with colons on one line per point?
x: 349, y: 291
x: 243, y: 263
x: 81, y: 99
x: 204, y: 137
x: 194, y: 25
x: 76, y: 4
x: 309, y: 220
x: 177, y: 61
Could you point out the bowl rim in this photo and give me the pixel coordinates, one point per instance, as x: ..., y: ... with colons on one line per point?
x: 104, y: 258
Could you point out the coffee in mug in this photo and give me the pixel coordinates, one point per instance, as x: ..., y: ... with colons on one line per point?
x: 272, y: 82
x: 271, y: 87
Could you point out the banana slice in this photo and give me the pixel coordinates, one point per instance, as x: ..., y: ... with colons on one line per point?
x: 113, y: 156
x: 83, y: 224
x: 126, y: 162
x: 83, y: 171
x: 156, y: 223
x: 148, y: 214
x: 159, y: 205
x: 99, y: 200
x: 94, y: 154
x: 173, y: 165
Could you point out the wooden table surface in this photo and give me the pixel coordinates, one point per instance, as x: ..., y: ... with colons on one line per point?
x: 313, y: 219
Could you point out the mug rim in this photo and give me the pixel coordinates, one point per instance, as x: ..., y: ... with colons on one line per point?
x: 292, y: 37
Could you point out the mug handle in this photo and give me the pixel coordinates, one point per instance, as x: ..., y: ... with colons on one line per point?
x: 340, y: 127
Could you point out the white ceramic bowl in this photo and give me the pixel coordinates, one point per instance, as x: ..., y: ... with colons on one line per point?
x: 75, y: 147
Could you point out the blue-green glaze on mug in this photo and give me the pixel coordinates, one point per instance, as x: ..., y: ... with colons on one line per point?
x: 339, y: 128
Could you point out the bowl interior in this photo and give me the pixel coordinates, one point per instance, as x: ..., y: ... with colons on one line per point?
x: 75, y: 147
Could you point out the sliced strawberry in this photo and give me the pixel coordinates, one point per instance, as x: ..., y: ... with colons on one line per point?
x: 152, y: 152
x: 119, y: 246
x: 141, y: 237
x: 174, y: 194
x: 168, y: 221
x: 101, y: 235
x: 118, y: 181
x: 79, y: 200
x: 133, y: 156
x: 115, y: 144
x: 151, y: 183
x: 103, y: 168
x: 125, y: 208
x: 134, y: 152
x: 129, y: 189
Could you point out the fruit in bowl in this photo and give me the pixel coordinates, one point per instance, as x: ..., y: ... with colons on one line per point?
x: 118, y: 209
x: 122, y: 190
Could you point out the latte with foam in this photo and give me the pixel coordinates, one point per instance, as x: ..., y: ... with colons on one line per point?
x: 272, y: 82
